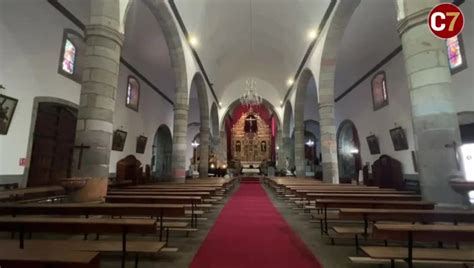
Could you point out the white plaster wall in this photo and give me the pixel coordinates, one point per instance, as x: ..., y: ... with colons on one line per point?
x: 153, y: 111
x: 29, y: 55
x: 31, y: 35
x: 357, y: 106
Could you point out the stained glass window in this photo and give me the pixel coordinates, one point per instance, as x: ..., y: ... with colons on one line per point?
x: 69, y: 57
x: 455, y: 54
x: 379, y: 91
x: 133, y: 93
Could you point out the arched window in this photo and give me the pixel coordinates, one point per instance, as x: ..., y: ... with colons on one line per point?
x: 133, y: 93
x: 379, y: 90
x: 69, y: 57
x: 456, y: 56
x: 72, y: 50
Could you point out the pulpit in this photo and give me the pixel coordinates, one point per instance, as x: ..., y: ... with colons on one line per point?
x: 387, y: 173
x: 129, y: 168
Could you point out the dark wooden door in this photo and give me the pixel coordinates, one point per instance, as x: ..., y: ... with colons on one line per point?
x: 53, y: 144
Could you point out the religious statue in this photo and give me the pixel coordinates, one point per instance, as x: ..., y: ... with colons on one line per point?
x: 250, y: 124
x: 238, y: 146
x: 263, y: 146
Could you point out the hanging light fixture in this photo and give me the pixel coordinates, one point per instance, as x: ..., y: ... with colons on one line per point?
x: 250, y: 96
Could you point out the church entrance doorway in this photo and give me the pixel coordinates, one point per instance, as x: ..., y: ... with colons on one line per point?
x: 53, y: 144
x: 162, y: 151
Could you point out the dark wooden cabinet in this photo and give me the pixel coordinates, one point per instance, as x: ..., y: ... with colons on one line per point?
x: 387, y: 173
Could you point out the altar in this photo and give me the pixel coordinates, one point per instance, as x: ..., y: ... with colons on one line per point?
x: 251, y: 140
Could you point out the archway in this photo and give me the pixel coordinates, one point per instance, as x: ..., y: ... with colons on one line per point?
x: 162, y: 149
x: 306, y: 82
x: 312, y: 137
x: 348, y: 151
x: 199, y: 112
x: 174, y: 42
x: 286, y: 152
x: 251, y: 133
x: 339, y: 22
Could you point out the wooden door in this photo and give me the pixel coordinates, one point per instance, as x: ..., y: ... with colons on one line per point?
x: 53, y: 144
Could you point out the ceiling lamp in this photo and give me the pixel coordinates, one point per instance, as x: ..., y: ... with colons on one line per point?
x: 290, y: 82
x: 250, y: 96
x: 193, y: 41
x: 312, y: 35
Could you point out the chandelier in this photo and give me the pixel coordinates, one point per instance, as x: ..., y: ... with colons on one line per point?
x: 250, y: 96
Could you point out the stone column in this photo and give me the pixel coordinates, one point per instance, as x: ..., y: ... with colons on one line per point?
x: 97, y: 102
x: 434, y: 115
x: 300, y: 162
x: 180, y: 132
x: 281, y: 152
x: 328, y: 136
x: 222, y: 147
x: 204, y: 151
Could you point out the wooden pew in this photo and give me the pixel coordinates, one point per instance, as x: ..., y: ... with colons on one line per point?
x: 425, y: 233
x: 158, y: 199
x: 401, y: 215
x: 119, y: 209
x: 324, y: 204
x: 46, y: 258
x: 211, y: 190
x: 373, y: 196
x: 78, y: 225
x: 201, y: 194
x: 33, y: 193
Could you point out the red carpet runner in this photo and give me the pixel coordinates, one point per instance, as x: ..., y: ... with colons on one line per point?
x: 250, y: 232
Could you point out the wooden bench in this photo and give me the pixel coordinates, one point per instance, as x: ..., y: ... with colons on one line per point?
x: 157, y: 199
x: 45, y: 258
x: 423, y: 233
x: 406, y: 215
x: 201, y: 194
x: 78, y: 225
x: 33, y: 192
x: 103, y: 246
x: 324, y: 204
x: 419, y: 255
x: 160, y: 211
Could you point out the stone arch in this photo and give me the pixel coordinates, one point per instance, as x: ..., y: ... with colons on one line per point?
x: 166, y: 21
x: 339, y: 22
x: 214, y: 120
x: 199, y: 85
x: 235, y: 103
x: 348, y: 151
x: 303, y: 81
x: 162, y: 150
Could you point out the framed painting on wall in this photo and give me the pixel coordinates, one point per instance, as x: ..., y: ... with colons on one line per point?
x: 118, y: 141
x: 141, y: 144
x: 399, y: 139
x: 7, y: 110
x: 373, y: 143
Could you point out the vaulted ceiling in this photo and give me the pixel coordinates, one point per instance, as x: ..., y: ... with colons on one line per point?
x: 265, y: 39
